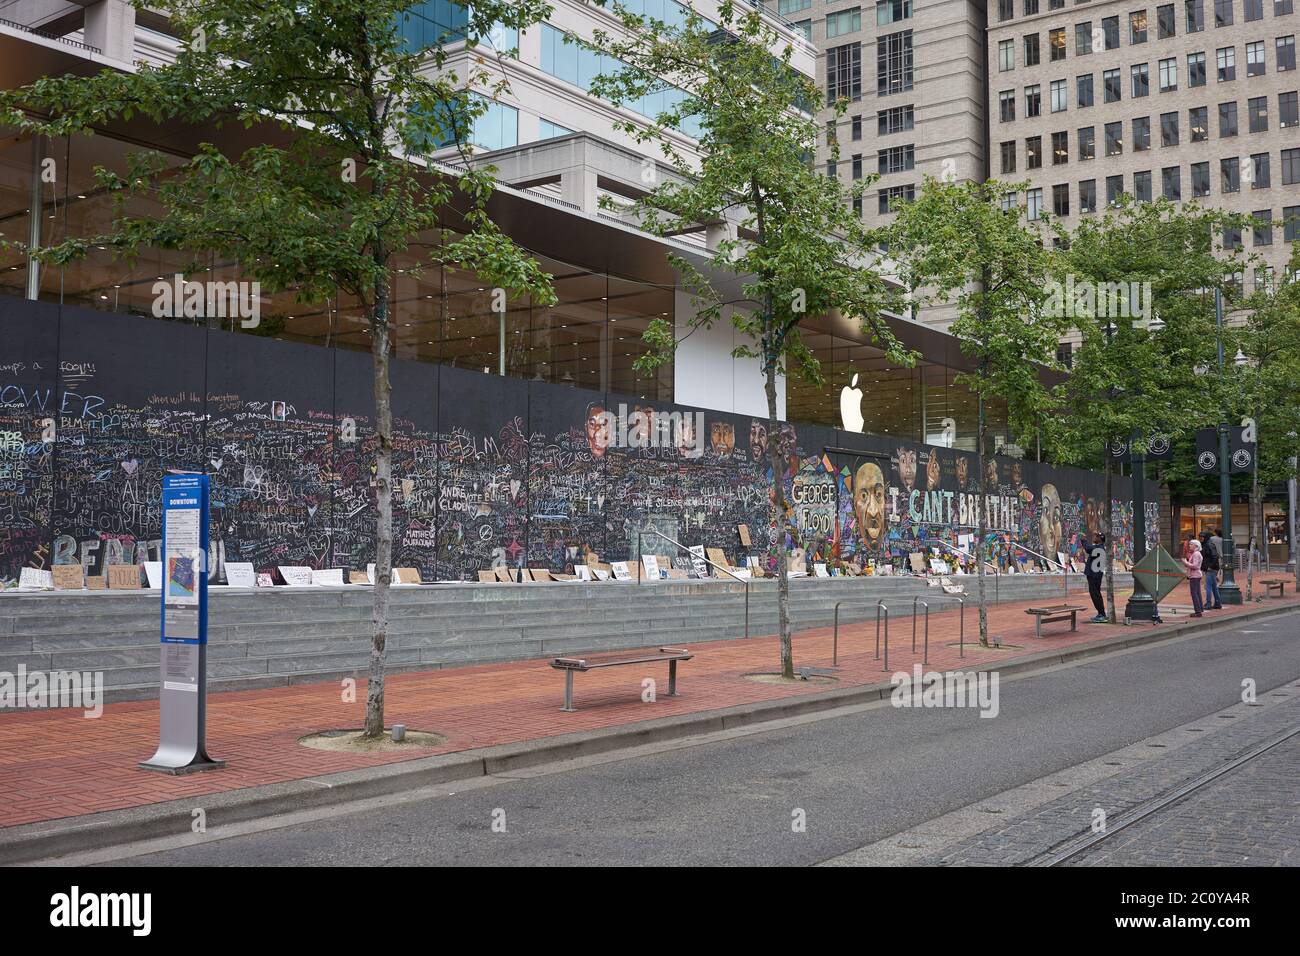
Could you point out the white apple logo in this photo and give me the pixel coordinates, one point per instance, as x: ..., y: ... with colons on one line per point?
x: 851, y: 406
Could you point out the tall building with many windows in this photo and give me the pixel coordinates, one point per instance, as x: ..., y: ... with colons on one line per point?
x: 1191, y: 100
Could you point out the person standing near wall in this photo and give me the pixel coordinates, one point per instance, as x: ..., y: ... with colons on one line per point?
x: 1192, y: 564
x: 1210, y: 565
x: 1094, y: 570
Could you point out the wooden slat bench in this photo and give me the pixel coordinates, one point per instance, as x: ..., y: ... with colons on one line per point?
x: 571, y: 665
x: 1057, y: 612
x: 1276, y: 584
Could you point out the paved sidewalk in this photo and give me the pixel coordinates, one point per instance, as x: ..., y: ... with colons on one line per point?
x: 56, y: 764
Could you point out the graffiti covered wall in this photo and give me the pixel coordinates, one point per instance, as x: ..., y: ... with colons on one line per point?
x: 96, y: 408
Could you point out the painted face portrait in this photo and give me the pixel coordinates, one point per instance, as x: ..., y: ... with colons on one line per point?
x: 1049, y: 521
x: 757, y: 440
x: 869, y: 505
x: 684, y: 435
x: 597, y: 430
x: 991, y: 473
x: 907, y: 468
x: 1017, y: 474
x: 642, y: 422
x: 932, y: 472
x: 1092, y: 518
x: 963, y: 471
x: 722, y: 439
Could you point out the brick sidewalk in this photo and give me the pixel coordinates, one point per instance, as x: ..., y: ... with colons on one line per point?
x: 57, y: 764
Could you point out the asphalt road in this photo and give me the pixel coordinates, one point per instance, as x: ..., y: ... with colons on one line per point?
x: 857, y: 778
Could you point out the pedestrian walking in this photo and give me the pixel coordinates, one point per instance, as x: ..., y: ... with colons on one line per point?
x: 1192, y: 565
x: 1210, y: 565
x: 1095, y: 571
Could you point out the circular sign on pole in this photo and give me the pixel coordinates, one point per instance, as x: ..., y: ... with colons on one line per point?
x: 1207, y: 460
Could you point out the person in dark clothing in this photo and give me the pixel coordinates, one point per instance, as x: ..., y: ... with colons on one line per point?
x: 1210, y: 565
x: 1095, y: 571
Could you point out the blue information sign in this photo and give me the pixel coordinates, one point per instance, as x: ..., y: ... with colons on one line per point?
x: 185, y: 559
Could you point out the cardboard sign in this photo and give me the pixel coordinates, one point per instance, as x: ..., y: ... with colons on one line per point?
x: 698, y: 564
x: 504, y: 576
x: 621, y: 571
x: 406, y: 576
x: 541, y: 574
x: 153, y: 574
x: 582, y: 571
x: 330, y: 577
x: 295, y: 576
x: 265, y: 580
x: 124, y: 576
x: 241, y: 575
x: 358, y: 577
x: 917, y: 560
x: 487, y: 577
x: 744, y: 573
x: 601, y: 573
x: 651, y: 564
x: 1060, y: 559
x: 718, y: 557
x: 96, y: 582
x: 370, y: 573
x: 819, y: 569
x: 743, y: 529
x: 67, y: 577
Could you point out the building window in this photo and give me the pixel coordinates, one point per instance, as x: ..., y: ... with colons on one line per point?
x: 1222, y: 13
x: 894, y: 63
x: 1264, y: 274
x: 1285, y: 53
x: 1227, y: 60
x: 1034, y: 204
x: 1291, y: 231
x: 1257, y: 111
x: 1083, y: 38
x: 804, y: 27
x: 1142, y: 186
x: 1228, y: 119
x: 832, y: 169
x: 1033, y: 101
x: 1006, y: 10
x: 1137, y: 27
x: 1232, y: 240
x: 1168, y: 75
x: 1030, y: 7
x: 891, y: 198
x: 1087, y: 143
x: 1060, y: 148
x: 1006, y: 55
x: 1007, y: 106
x: 1168, y: 129
x: 844, y: 72
x: 1255, y: 58
x: 1200, y: 180
x: 1291, y: 166
x: 1198, y: 121
x: 1087, y: 195
x: 1034, y: 152
x: 1288, y: 110
x: 843, y: 23
x: 787, y: 7
x: 1165, y: 21
x: 896, y: 159
x: 1114, y: 139
x: 1056, y: 44
x: 831, y: 137
x: 1171, y: 183
x: 1008, y: 157
x: 1195, y: 15
x: 1059, y: 96
x: 1253, y: 10
x: 1061, y: 199
x: 891, y: 11
x: 1031, y: 50
x: 1110, y: 86
x: 1110, y: 32
x: 1083, y: 90
x: 1263, y: 230
x: 1229, y: 175
x: 896, y: 120
x: 1114, y: 189
x: 857, y: 166
x: 1009, y: 202
x: 1141, y: 133
x: 548, y: 130
x: 1196, y: 69
x: 1282, y: 7
x: 857, y: 127
x: 1259, y: 171
x: 1141, y: 77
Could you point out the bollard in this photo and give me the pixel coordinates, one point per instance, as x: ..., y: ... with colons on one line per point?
x: 882, y: 606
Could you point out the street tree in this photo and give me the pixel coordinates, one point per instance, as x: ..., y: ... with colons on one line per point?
x: 342, y: 110
x: 790, y: 237
x: 956, y: 242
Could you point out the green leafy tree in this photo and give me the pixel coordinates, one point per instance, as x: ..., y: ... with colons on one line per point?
x: 340, y: 109
x: 955, y: 243
x: 1119, y: 277
x: 794, y: 244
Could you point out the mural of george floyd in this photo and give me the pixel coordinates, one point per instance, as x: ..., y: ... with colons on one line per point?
x: 96, y: 408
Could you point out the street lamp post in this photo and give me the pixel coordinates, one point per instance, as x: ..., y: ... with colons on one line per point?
x: 1229, y: 592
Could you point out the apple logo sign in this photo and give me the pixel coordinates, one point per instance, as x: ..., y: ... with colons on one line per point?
x: 851, y: 406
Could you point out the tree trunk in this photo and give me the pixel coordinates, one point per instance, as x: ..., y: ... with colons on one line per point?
x: 1107, y: 529
x: 379, y: 347
x: 776, y: 458
x: 981, y: 523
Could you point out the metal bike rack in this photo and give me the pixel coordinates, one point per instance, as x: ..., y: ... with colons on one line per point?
x: 679, y: 545
x: 882, y: 606
x: 925, y: 604
x: 835, y: 634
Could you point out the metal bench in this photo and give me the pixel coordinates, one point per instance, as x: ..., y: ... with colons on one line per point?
x: 1276, y: 584
x: 1057, y: 612
x: 572, y: 665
